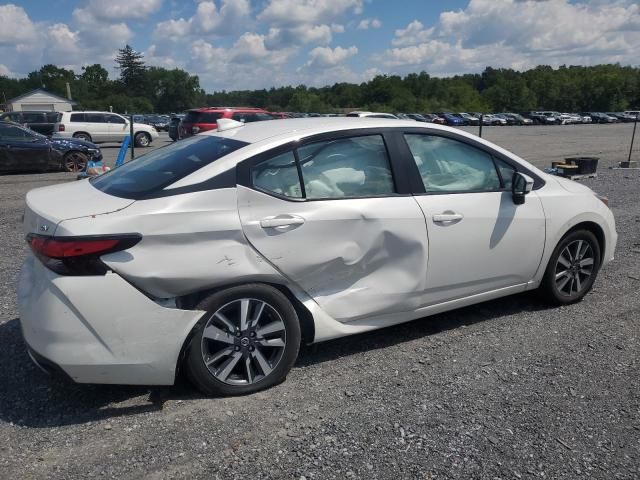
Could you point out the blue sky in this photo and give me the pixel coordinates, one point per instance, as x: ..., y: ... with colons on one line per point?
x: 236, y: 44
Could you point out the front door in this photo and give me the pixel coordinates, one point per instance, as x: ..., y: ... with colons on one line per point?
x: 479, y: 240
x: 24, y: 150
x: 328, y: 217
x: 118, y: 127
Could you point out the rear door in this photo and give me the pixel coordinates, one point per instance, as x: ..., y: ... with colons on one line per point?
x: 479, y: 240
x: 98, y: 127
x: 328, y: 215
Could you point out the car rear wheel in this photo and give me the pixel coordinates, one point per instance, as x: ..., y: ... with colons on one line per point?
x: 75, y: 161
x: 573, y: 268
x: 247, y: 341
x: 142, y: 139
x: 82, y: 136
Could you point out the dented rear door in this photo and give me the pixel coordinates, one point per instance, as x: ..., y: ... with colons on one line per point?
x: 354, y: 257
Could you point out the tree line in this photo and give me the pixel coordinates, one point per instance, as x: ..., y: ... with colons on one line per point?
x: 142, y: 88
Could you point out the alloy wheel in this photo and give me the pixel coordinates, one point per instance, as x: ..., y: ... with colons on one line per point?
x: 574, y: 268
x: 75, y: 162
x: 243, y: 341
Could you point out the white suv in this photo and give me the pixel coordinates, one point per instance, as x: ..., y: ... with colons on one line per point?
x: 101, y: 127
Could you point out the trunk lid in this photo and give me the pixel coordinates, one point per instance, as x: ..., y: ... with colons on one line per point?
x: 48, y: 206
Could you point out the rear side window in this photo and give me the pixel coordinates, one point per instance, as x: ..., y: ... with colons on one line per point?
x: 202, y: 117
x: 94, y: 118
x: 149, y: 174
x: 77, y: 117
x: 339, y: 168
x: 278, y: 175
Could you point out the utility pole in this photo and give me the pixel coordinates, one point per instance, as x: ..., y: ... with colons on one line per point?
x: 69, y: 91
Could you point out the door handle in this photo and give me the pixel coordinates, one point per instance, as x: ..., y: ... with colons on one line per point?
x: 447, y: 217
x: 281, y: 221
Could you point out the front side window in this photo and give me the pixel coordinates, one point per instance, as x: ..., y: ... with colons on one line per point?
x: 278, y: 175
x: 346, y: 167
x: 115, y: 119
x: 149, y: 174
x: 451, y: 166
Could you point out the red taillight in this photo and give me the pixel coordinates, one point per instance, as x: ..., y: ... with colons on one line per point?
x: 78, y: 255
x: 61, y: 127
x: 53, y: 248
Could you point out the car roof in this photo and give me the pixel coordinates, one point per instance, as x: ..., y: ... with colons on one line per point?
x: 220, y: 109
x: 258, y: 131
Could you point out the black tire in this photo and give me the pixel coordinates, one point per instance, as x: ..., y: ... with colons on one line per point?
x: 550, y: 286
x: 200, y: 374
x: 142, y: 139
x: 75, y: 161
x: 83, y: 136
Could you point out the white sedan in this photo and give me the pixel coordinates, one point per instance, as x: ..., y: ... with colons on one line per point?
x: 218, y: 255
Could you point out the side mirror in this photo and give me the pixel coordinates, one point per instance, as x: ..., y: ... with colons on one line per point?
x: 521, y: 185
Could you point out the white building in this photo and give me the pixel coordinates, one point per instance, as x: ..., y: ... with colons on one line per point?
x: 39, y: 100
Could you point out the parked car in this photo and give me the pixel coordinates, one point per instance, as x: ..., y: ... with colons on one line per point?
x: 22, y: 149
x: 622, y: 117
x: 599, y: 117
x: 450, y: 119
x: 372, y: 115
x: 159, y: 122
x: 492, y: 120
x: 507, y: 119
x: 280, y: 115
x: 519, y: 119
x: 221, y: 253
x: 174, y: 127
x: 41, y: 122
x: 433, y: 118
x: 417, y: 117
x: 470, y: 119
x: 633, y: 113
x: 541, y: 118
x: 102, y: 127
x: 204, y: 119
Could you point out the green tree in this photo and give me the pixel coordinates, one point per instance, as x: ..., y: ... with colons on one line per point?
x: 132, y: 69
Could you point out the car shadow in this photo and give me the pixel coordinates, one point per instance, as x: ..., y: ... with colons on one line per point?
x: 33, y: 399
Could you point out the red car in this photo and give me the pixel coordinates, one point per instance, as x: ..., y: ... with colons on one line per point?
x: 206, y: 118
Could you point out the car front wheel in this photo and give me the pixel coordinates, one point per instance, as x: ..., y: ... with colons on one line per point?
x: 75, y: 161
x: 573, y: 268
x: 247, y: 341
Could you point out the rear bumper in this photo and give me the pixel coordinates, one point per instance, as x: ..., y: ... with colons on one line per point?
x: 99, y: 329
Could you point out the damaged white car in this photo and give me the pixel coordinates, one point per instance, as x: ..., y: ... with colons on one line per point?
x: 220, y: 254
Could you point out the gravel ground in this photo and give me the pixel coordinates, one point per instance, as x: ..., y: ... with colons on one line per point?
x: 505, y: 389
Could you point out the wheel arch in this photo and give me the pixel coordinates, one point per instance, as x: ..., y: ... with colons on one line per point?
x: 190, y: 301
x: 594, y: 228
x: 81, y: 132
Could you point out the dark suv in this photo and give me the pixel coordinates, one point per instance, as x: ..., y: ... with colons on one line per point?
x: 202, y: 119
x: 41, y: 122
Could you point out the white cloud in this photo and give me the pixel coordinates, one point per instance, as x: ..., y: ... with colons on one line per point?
x: 15, y: 25
x: 207, y: 20
x: 326, y: 57
x: 295, y: 12
x: 4, y: 71
x: 287, y: 37
x: 519, y: 34
x: 413, y: 34
x: 122, y: 9
x: 367, y: 23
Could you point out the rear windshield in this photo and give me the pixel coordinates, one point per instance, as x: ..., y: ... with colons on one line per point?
x: 202, y: 117
x: 147, y: 175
